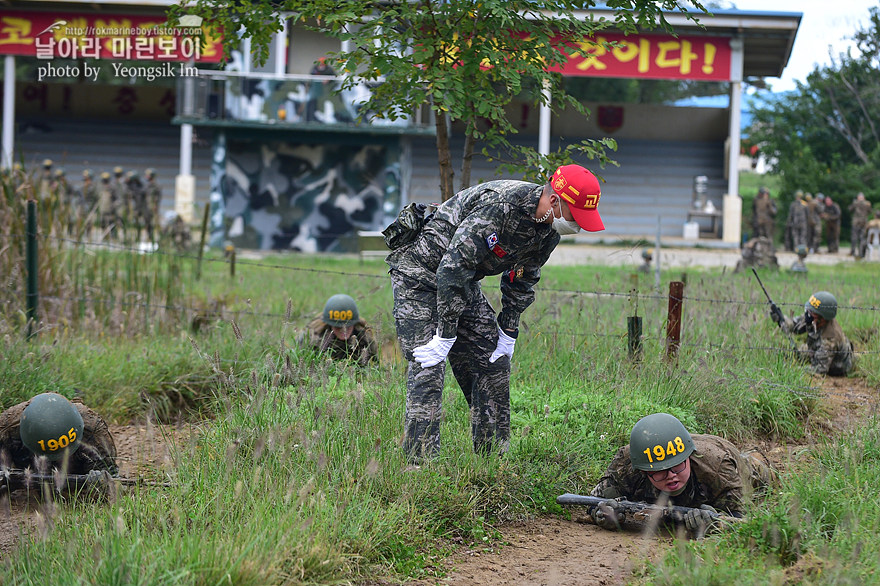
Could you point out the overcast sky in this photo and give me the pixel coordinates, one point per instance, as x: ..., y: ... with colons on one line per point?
x: 824, y: 23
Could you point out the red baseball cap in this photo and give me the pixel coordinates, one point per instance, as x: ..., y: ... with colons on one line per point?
x: 580, y: 189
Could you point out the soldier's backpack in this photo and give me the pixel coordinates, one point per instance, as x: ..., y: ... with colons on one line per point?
x: 410, y: 221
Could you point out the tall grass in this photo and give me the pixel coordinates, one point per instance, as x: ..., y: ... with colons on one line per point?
x: 296, y: 475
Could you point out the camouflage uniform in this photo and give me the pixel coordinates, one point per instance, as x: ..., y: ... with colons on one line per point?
x: 797, y: 222
x: 860, y: 209
x: 814, y: 224
x: 875, y: 223
x: 97, y: 451
x: 831, y: 219
x: 154, y: 194
x: 764, y: 214
x: 484, y: 230
x: 719, y: 477
x: 826, y: 350
x: 758, y: 252
x: 108, y: 205
x: 360, y: 346
x: 141, y: 212
x: 179, y: 233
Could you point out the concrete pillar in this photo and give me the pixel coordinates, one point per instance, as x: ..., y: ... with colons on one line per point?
x: 8, y: 113
x: 544, y: 126
x: 732, y: 226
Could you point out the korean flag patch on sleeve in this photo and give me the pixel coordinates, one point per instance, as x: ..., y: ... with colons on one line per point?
x: 492, y: 242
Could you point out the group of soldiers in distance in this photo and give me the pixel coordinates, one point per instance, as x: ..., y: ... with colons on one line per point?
x: 123, y: 205
x: 809, y: 218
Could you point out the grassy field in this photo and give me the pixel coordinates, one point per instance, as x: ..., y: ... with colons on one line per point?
x: 297, y: 476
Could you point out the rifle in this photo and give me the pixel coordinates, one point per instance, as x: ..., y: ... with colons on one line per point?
x: 775, y: 311
x: 13, y: 478
x: 638, y: 514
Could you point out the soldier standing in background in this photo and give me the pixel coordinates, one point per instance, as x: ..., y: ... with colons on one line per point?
x: 764, y: 214
x: 142, y: 217
x: 108, y: 206
x: 498, y: 227
x: 831, y: 219
x: 860, y: 208
x: 154, y: 194
x: 66, y: 194
x: 46, y: 183
x: 797, y: 221
x: 120, y: 197
x: 814, y: 223
x: 873, y: 224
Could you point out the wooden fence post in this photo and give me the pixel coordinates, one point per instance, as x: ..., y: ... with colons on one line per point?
x: 673, y: 319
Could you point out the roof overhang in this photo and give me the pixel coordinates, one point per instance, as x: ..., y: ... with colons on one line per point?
x: 767, y: 37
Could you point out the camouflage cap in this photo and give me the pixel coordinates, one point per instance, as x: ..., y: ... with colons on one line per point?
x: 47, y: 162
x: 117, y: 170
x: 87, y: 174
x: 105, y: 176
x: 59, y: 172
x: 149, y: 172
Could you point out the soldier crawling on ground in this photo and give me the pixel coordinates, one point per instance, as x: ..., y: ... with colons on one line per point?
x: 665, y: 465
x: 48, y: 433
x: 758, y: 252
x: 827, y: 349
x: 342, y: 332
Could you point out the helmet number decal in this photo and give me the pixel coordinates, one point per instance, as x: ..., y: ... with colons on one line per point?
x: 346, y: 314
x: 815, y: 302
x: 53, y: 445
x: 660, y: 452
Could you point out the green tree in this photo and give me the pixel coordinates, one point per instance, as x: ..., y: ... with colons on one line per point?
x: 466, y: 60
x: 825, y: 136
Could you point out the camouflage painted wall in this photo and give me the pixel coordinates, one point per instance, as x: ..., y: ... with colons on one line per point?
x: 308, y: 197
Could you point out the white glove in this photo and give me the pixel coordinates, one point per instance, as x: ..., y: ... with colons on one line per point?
x: 504, y: 348
x: 434, y: 352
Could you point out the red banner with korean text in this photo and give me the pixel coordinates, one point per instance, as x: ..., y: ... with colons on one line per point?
x: 106, y: 36
x: 650, y: 57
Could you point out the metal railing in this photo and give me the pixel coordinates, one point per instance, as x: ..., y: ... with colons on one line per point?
x: 290, y: 100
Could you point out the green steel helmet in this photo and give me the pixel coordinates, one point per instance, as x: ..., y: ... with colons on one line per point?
x: 87, y: 174
x: 340, y: 311
x: 51, y: 426
x: 659, y: 441
x: 801, y: 250
x: 47, y: 163
x: 647, y: 253
x: 822, y: 303
x: 117, y: 170
x: 149, y: 173
x: 59, y: 172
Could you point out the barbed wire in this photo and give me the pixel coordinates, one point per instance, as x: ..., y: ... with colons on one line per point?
x: 585, y: 293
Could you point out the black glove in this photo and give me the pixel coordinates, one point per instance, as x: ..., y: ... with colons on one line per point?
x: 698, y: 521
x: 776, y: 314
x: 606, y: 515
